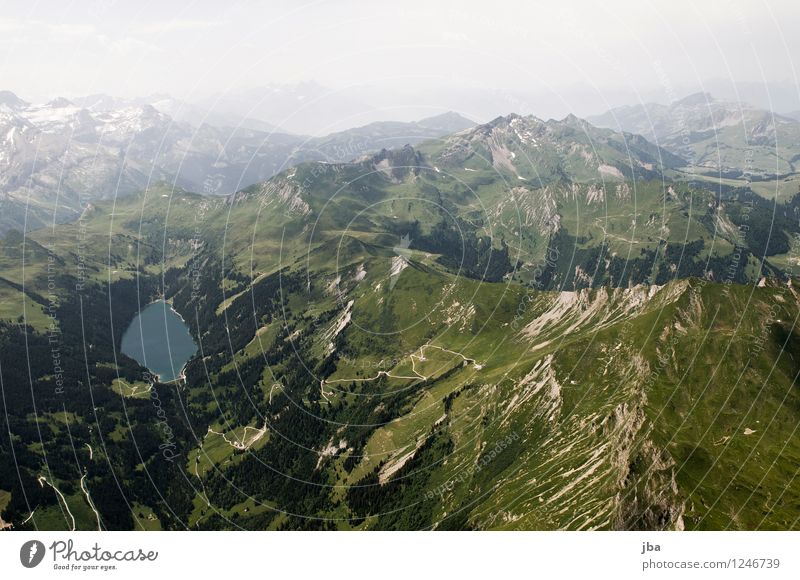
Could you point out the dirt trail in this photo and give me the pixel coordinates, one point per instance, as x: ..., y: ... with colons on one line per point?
x: 419, y: 357
x: 246, y: 442
x: 42, y: 480
x: 90, y: 502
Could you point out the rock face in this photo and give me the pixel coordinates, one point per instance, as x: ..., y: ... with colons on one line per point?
x: 398, y: 164
x: 543, y: 152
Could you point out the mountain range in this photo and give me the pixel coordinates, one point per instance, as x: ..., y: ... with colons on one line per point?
x: 717, y: 138
x: 523, y: 324
x: 58, y: 157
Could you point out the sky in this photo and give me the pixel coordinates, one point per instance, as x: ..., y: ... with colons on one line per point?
x: 532, y: 56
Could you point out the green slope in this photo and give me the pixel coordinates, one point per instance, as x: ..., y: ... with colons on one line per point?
x: 401, y: 343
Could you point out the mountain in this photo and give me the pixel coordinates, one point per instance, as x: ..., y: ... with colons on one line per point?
x: 523, y: 325
x: 53, y: 154
x: 12, y: 101
x: 347, y: 145
x: 58, y: 157
x: 446, y: 123
x: 545, y: 151
x: 305, y: 108
x: 714, y: 137
x: 308, y: 108
x: 177, y: 109
x: 775, y: 96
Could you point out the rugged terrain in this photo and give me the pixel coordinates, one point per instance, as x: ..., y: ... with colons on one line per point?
x: 524, y: 325
x: 59, y: 157
x: 732, y: 141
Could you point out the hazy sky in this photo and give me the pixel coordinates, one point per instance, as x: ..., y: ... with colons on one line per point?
x: 563, y: 50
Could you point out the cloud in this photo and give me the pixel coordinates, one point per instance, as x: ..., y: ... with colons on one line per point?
x: 175, y: 25
x: 51, y: 30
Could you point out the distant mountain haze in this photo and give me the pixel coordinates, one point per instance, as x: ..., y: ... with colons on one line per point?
x: 728, y: 138
x: 57, y: 157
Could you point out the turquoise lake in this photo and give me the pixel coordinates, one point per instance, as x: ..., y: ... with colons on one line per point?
x: 159, y: 339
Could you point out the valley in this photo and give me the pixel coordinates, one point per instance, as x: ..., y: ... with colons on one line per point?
x: 522, y: 325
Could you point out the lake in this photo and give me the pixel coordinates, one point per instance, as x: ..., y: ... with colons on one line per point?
x: 159, y: 339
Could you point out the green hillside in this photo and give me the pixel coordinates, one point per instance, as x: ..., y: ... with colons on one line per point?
x: 522, y: 326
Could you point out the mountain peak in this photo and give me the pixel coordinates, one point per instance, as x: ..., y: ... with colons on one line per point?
x: 449, y: 122
x: 60, y: 103
x: 695, y: 99
x: 572, y: 120
x: 397, y: 164
x: 503, y: 121
x: 11, y: 100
